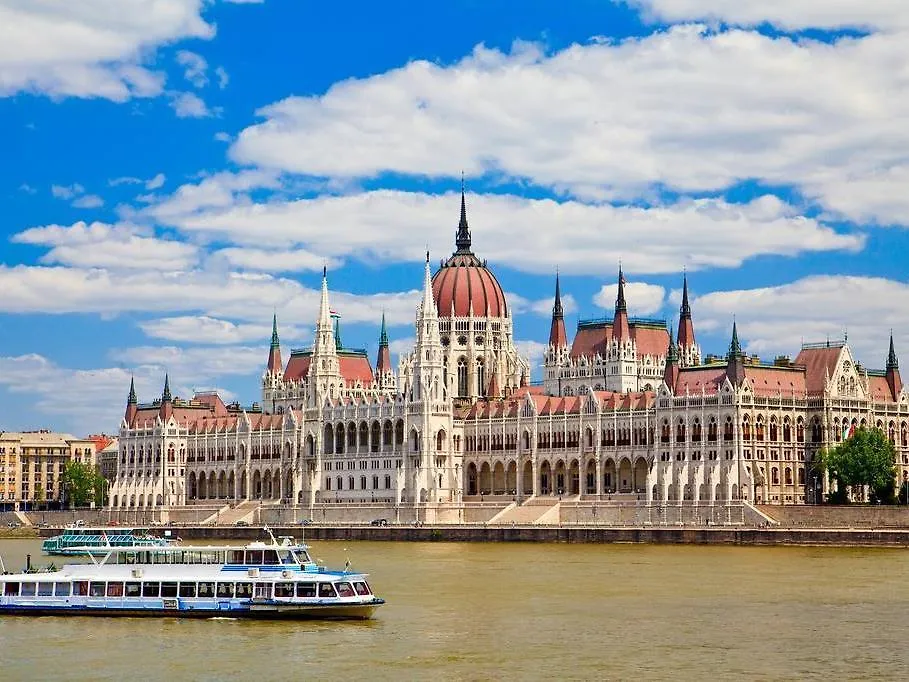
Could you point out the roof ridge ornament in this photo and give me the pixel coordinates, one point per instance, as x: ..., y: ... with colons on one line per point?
x: 462, y: 239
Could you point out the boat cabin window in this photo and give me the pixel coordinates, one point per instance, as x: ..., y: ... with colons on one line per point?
x: 345, y: 590
x: 235, y: 557
x: 45, y: 589
x: 284, y: 590
x: 226, y: 590
x: 244, y: 590
x: 62, y: 589
x: 80, y: 588
x: 114, y: 589
x: 11, y: 590
x: 96, y: 589
x: 327, y: 590
x: 270, y: 557
x: 306, y: 589
x: 187, y: 589
x: 168, y: 589
x: 133, y: 589
x: 263, y: 591
x: 254, y: 557
x: 28, y: 589
x: 151, y: 589
x: 206, y: 589
x: 361, y: 588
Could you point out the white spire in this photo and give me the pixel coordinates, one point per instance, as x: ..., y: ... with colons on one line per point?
x: 324, y: 308
x: 428, y: 307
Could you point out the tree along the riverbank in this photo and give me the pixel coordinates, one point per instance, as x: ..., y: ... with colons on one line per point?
x: 83, y: 484
x: 867, y: 458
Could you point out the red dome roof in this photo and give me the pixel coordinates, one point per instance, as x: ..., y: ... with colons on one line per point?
x: 464, y: 282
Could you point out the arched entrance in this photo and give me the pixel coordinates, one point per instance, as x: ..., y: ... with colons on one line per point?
x: 472, y: 479
x: 498, y: 479
x: 485, y: 479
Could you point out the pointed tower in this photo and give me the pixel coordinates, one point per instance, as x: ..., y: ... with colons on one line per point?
x: 132, y: 404
x: 167, y: 402
x: 384, y: 373
x: 557, y: 336
x: 620, y: 329
x: 273, y: 377
x: 325, y: 368
x: 689, y: 351
x: 893, y: 371
x: 671, y: 371
x: 735, y: 359
x: 462, y: 237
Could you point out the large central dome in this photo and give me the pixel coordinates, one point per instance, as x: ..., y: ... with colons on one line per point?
x: 464, y: 285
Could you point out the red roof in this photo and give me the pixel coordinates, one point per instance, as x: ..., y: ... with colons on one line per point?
x: 694, y: 380
x: 819, y: 363
x: 592, y: 338
x: 880, y: 389
x: 467, y: 287
x: 769, y: 382
x: 356, y: 368
x: 297, y: 367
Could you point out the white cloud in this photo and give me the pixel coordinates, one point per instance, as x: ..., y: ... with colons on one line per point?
x: 189, y: 105
x: 91, y: 48
x: 88, y: 201
x: 195, y: 364
x: 223, y: 78
x: 542, y: 307
x: 640, y: 297
x: 214, y: 293
x: 28, y: 189
x: 125, y: 180
x: 529, y: 235
x: 686, y: 108
x: 787, y: 14
x: 291, y: 260
x: 533, y: 351
x: 398, y: 347
x: 775, y: 320
x: 223, y: 137
x: 66, y: 191
x: 100, y: 245
x: 156, y: 182
x: 194, y: 67
x: 202, y: 329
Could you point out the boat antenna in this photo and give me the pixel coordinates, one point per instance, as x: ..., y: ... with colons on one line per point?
x: 270, y: 534
x: 2, y: 567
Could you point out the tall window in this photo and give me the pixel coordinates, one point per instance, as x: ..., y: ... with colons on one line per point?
x: 481, y: 377
x: 462, y: 377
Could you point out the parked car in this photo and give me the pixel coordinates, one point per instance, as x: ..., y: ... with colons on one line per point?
x: 305, y: 522
x: 241, y: 522
x: 379, y: 522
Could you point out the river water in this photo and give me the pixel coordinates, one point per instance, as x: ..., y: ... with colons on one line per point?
x: 522, y: 612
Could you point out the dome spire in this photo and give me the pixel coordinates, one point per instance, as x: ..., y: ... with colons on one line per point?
x: 166, y: 397
x: 132, y: 400
x: 462, y: 240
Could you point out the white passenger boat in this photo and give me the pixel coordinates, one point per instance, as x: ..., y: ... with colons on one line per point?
x: 274, y: 580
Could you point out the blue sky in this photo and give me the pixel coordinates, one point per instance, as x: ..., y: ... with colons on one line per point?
x: 176, y: 171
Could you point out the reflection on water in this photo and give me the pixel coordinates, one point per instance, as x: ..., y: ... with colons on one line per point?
x: 523, y: 611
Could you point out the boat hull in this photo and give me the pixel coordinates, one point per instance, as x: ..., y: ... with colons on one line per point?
x: 363, y: 611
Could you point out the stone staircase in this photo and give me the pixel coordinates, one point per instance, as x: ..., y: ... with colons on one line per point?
x: 245, y: 511
x: 534, y: 510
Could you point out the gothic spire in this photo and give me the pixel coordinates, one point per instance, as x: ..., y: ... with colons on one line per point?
x: 672, y: 353
x: 620, y: 304
x: 166, y: 397
x: 892, y: 361
x: 383, y: 336
x: 557, y: 312
x: 337, y: 325
x: 671, y: 370
x: 462, y: 240
x: 132, y: 400
x: 383, y: 361
x: 685, y: 310
x: 274, y: 331
x: 558, y: 338
x: 735, y: 348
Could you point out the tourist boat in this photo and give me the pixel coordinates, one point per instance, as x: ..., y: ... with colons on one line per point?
x: 274, y: 580
x: 80, y: 540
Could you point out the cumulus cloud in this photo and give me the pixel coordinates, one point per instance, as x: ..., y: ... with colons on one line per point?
x: 542, y: 307
x: 66, y: 191
x: 529, y: 235
x: 91, y: 48
x: 775, y: 320
x: 194, y: 67
x: 688, y: 109
x: 533, y: 351
x: 201, y: 329
x: 100, y: 245
x: 189, y: 105
x: 156, y: 182
x: 786, y: 14
x: 223, y: 78
x: 88, y: 201
x: 640, y: 297
x: 289, y: 260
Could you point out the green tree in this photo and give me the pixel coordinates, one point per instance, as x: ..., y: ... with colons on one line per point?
x: 865, y: 459
x: 83, y: 483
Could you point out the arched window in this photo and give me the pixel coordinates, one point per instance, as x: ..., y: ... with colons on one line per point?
x: 440, y: 440
x: 481, y: 377
x: 328, y: 442
x: 787, y: 430
x: 775, y: 476
x: 462, y: 377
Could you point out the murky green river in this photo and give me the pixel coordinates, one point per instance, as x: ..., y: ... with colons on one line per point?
x: 523, y: 612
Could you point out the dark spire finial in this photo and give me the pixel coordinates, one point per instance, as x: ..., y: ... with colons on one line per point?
x: 557, y: 311
x: 672, y: 353
x: 620, y: 305
x: 132, y: 400
x: 274, y: 331
x: 735, y: 348
x: 166, y: 397
x: 462, y: 240
x: 685, y: 311
x: 324, y: 271
x: 892, y: 361
x: 383, y: 337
